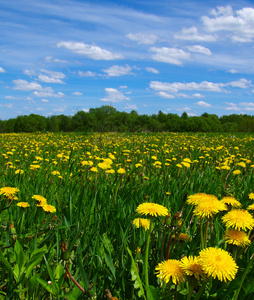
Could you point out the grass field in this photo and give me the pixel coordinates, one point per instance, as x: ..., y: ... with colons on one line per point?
x: 72, y: 223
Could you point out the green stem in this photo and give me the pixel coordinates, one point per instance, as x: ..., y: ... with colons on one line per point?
x: 201, y: 290
x: 191, y: 288
x: 201, y: 234
x: 206, y: 233
x: 147, y: 254
x: 243, y: 278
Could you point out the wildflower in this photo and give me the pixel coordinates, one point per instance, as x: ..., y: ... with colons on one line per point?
x: 110, y: 171
x: 186, y: 164
x: 140, y: 222
x: 251, y: 196
x: 18, y: 171
x: 8, y: 191
x: 192, y: 267
x: 49, y: 208
x: 55, y: 173
x: 236, y: 237
x: 237, y: 172
x: 218, y: 263
x: 209, y: 207
x: 239, y: 219
x: 42, y: 201
x: 23, y: 204
x: 179, y: 166
x: 183, y: 237
x: 170, y: 269
x: 94, y: 169
x: 231, y: 201
x: 250, y: 207
x: 152, y: 209
x: 194, y: 199
x: 121, y: 171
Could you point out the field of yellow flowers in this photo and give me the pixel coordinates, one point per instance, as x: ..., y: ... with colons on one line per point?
x: 126, y: 216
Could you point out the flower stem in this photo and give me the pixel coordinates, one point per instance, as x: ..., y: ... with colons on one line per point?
x: 147, y: 254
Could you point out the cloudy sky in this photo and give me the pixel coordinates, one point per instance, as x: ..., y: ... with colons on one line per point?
x: 63, y: 56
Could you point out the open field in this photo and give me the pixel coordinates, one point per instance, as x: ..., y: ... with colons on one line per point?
x: 69, y: 218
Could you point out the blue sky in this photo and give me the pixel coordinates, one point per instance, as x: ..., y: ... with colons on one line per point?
x: 63, y: 56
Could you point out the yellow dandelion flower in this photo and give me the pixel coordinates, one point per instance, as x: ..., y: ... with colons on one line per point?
x: 251, y: 196
x: 218, y: 263
x: 110, y: 171
x: 121, y: 171
x: 49, y: 208
x: 183, y: 237
x: 94, y: 169
x: 237, y: 172
x: 231, y: 201
x: 236, y: 237
x: 18, y: 171
x: 186, y: 164
x: 192, y: 267
x: 8, y: 191
x: 196, y: 198
x: 238, y: 219
x: 250, y: 207
x: 23, y: 204
x: 179, y: 166
x: 152, y: 209
x: 39, y: 198
x: 170, y: 269
x: 209, y: 207
x: 140, y: 222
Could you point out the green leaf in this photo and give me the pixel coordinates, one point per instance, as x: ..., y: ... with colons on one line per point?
x: 152, y: 293
x: 135, y: 276
x: 36, y: 257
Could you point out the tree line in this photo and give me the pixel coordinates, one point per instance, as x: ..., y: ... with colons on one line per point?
x: 107, y: 119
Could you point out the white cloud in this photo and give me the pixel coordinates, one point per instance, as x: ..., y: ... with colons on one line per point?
x: 152, y: 70
x: 166, y: 95
x: 113, y: 95
x: 2, y: 70
x: 47, y: 79
x: 247, y: 104
x: 240, y: 24
x: 24, y: 85
x: 118, y: 71
x: 39, y: 109
x: 51, y: 59
x: 87, y: 74
x: 203, y: 104
x: 242, y: 83
x: 233, y: 71
x: 170, y: 55
x: 44, y: 100
x: 179, y: 86
x: 131, y: 106
x: 199, y: 49
x: 29, y: 72
x: 11, y: 98
x: 191, y: 34
x: 232, y: 106
x: 197, y: 95
x: 123, y: 87
x: 143, y: 38
x: 85, y: 109
x: 90, y: 51
x: 77, y: 94
x: 48, y: 94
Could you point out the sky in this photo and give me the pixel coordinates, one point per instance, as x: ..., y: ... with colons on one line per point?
x: 63, y: 56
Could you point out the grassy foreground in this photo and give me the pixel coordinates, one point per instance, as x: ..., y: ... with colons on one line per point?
x: 73, y: 225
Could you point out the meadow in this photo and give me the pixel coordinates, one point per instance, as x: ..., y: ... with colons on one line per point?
x: 126, y: 216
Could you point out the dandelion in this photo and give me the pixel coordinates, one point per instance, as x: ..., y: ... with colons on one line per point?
x: 18, y: 171
x: 183, y: 237
x: 218, y: 263
x: 192, y: 267
x: 209, y: 207
x: 231, y: 201
x: 8, y: 191
x: 94, y: 169
x: 140, y: 222
x: 194, y: 199
x: 49, y: 208
x: 237, y: 172
x: 251, y: 196
x: 152, y: 209
x: 23, y: 204
x: 250, y: 207
x: 170, y: 269
x: 236, y: 237
x: 238, y: 219
x: 121, y: 171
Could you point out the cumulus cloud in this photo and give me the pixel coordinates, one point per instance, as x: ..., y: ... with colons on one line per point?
x: 118, y: 71
x: 175, y: 87
x: 131, y: 106
x: 77, y: 94
x: 203, y: 104
x: 240, y: 24
x: 2, y: 70
x: 24, y: 85
x: 152, y: 70
x: 51, y: 59
x: 199, y: 49
x: 143, y: 38
x: 249, y: 106
x: 191, y: 34
x: 48, y: 94
x: 242, y: 83
x: 170, y: 55
x: 87, y: 74
x: 232, y: 106
x: 113, y: 95
x: 166, y: 95
x: 29, y: 72
x: 51, y: 77
x: 90, y: 51
x: 44, y: 100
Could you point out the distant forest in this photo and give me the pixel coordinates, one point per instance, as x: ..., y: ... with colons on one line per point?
x: 107, y: 119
